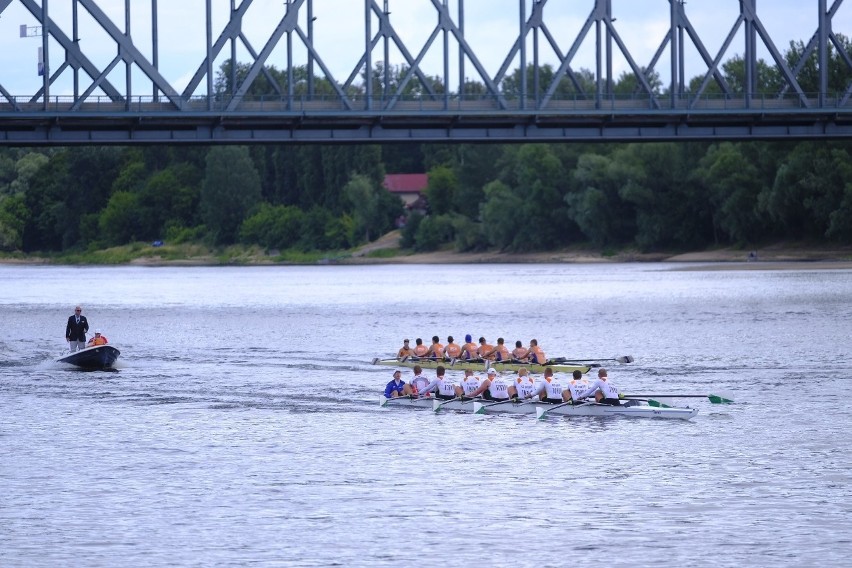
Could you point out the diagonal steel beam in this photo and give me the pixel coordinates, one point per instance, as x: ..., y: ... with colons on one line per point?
x: 130, y: 53
x: 73, y: 53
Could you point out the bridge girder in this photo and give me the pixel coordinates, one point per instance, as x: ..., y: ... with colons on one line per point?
x: 99, y: 111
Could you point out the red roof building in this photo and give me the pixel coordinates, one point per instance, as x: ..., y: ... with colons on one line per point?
x: 408, y: 187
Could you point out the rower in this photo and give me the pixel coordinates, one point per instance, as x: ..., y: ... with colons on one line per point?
x: 520, y: 353
x: 494, y: 388
x: 470, y: 383
x: 499, y: 352
x: 604, y: 391
x: 535, y: 354
x: 552, y: 388
x: 485, y: 351
x: 525, y: 386
x: 395, y: 388
x: 436, y: 351
x: 575, y: 388
x: 443, y: 387
x: 420, y: 350
x: 417, y: 383
x: 469, y: 349
x: 452, y: 350
x: 405, y: 351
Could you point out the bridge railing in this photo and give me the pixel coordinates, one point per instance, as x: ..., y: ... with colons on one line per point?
x: 408, y: 105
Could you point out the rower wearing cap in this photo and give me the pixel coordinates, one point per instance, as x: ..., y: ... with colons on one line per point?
x: 443, y: 387
x: 405, y: 351
x: 396, y: 387
x: 494, y: 388
x: 577, y: 386
x: 453, y: 350
x: 469, y: 348
x: 605, y: 392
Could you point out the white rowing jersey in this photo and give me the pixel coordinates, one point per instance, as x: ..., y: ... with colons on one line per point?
x: 553, y: 388
x: 446, y: 387
x: 499, y: 389
x: 577, y: 387
x: 526, y: 387
x: 419, y: 383
x: 470, y: 384
x: 608, y: 389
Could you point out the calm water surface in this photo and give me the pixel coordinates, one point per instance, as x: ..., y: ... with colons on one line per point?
x: 243, y: 426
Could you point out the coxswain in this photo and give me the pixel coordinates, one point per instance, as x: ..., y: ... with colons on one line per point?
x: 98, y: 339
x: 443, y: 387
x: 405, y: 352
x: 395, y: 388
x: 605, y: 392
x: 577, y: 386
x: 453, y: 350
x: 552, y: 388
x: 485, y: 351
x: 436, y: 350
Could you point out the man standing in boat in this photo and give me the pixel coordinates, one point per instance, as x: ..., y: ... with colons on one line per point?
x: 76, y: 329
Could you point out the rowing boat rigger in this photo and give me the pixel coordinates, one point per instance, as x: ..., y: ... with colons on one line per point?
x: 479, y: 406
x: 461, y: 365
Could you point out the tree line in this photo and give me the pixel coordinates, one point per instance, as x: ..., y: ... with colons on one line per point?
x: 514, y: 197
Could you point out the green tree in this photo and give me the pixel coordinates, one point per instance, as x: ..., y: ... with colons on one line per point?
x: 13, y: 219
x: 441, y: 190
x: 230, y: 189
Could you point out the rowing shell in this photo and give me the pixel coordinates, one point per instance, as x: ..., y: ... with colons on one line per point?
x: 481, y: 366
x: 588, y: 409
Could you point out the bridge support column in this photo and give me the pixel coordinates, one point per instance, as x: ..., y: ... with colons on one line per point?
x: 824, y: 31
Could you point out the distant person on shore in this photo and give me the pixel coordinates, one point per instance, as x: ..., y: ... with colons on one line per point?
x: 98, y: 339
x: 76, y: 329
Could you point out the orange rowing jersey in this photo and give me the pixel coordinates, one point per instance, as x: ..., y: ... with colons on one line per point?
x: 437, y: 350
x: 453, y: 351
x: 421, y: 350
x: 404, y: 352
x: 536, y: 352
x: 502, y: 353
x: 518, y: 353
x: 97, y: 341
x: 470, y: 349
x: 485, y: 348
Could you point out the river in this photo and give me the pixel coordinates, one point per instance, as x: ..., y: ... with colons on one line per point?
x: 243, y: 426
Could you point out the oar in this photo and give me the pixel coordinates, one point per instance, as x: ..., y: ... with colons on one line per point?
x: 622, y: 360
x: 437, y: 404
x: 713, y: 398
x: 479, y: 408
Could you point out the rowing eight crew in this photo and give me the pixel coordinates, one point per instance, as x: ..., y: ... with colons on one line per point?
x: 497, y: 388
x: 470, y: 352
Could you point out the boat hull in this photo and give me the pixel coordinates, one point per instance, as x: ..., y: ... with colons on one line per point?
x: 460, y: 365
x: 480, y: 406
x: 94, y: 358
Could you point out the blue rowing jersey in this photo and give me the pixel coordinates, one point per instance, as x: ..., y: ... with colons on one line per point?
x: 394, y: 386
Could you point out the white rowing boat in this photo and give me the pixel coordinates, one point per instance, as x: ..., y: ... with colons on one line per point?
x: 480, y: 406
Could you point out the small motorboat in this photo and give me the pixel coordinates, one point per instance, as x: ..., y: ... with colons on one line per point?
x: 95, y: 358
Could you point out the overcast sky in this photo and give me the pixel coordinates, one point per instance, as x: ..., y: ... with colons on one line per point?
x: 491, y: 29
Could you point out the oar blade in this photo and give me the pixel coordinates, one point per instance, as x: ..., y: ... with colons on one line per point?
x: 478, y: 408
x: 716, y: 399
x: 658, y: 403
x: 540, y: 412
x: 383, y: 401
x: 624, y: 359
x: 436, y: 405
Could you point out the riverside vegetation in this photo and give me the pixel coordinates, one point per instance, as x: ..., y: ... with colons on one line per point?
x: 314, y: 202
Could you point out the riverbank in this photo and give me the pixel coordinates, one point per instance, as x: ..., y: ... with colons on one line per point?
x: 386, y: 251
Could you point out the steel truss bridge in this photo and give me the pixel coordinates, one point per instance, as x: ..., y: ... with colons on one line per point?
x: 363, y: 107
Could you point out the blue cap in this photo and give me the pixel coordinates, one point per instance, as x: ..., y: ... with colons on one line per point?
x: 467, y: 338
